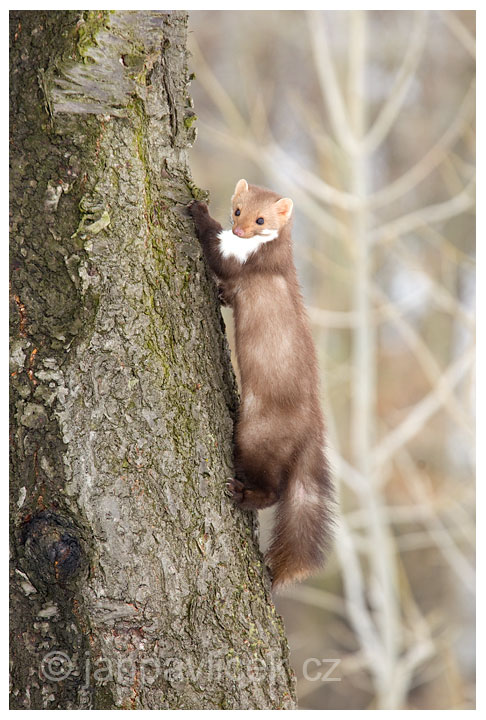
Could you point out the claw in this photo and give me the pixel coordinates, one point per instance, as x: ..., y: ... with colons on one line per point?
x: 236, y: 489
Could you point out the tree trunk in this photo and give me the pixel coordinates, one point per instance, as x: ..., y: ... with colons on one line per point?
x: 135, y: 583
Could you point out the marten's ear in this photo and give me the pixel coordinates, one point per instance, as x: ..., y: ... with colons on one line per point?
x: 284, y: 208
x: 241, y: 187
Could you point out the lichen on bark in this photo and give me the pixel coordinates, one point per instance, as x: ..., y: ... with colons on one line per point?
x: 127, y: 556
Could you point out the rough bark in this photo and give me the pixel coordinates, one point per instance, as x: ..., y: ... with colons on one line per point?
x: 127, y: 556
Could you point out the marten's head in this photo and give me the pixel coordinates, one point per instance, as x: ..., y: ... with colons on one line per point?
x: 258, y: 211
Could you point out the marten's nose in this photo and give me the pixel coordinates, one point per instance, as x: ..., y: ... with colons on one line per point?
x: 238, y: 231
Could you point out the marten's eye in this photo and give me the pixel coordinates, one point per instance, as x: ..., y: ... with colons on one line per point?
x: 260, y: 221
x: 237, y: 212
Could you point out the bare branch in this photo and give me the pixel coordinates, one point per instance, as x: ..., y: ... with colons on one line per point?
x: 460, y: 31
x: 354, y: 587
x: 422, y: 411
x: 456, y: 205
x: 355, y: 598
x: 391, y: 108
x: 437, y: 530
x: 427, y: 361
x: 431, y: 159
x: 329, y: 84
x: 313, y: 183
x: 452, y: 252
x: 332, y: 318
x: 216, y: 91
x: 438, y: 293
x: 317, y: 598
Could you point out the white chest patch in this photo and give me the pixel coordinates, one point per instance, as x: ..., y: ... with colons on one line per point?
x: 231, y: 245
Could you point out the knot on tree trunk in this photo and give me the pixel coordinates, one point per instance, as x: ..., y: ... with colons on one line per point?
x: 52, y: 548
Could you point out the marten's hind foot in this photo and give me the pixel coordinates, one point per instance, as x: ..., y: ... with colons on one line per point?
x: 251, y: 498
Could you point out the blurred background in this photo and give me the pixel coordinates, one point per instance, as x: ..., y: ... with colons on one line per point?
x: 366, y: 120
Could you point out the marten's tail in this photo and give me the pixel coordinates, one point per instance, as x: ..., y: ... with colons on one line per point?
x: 303, y: 530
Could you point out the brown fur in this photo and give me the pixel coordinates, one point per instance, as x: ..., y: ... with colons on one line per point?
x: 279, y: 435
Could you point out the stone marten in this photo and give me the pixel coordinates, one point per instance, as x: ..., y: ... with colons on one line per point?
x: 279, y: 452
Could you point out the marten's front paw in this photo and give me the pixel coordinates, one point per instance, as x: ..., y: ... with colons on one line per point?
x: 206, y: 227
x: 197, y: 209
x: 224, y: 297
